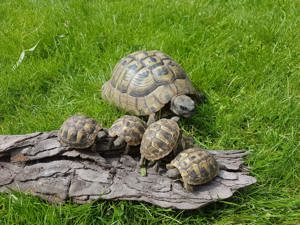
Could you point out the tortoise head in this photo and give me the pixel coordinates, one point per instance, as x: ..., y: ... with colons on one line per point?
x: 182, y: 105
x: 173, y: 173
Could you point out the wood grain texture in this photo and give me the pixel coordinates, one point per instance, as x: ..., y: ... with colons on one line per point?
x: 37, y: 164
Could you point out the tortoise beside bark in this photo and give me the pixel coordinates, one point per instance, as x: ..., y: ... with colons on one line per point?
x: 80, y: 132
x: 159, y: 140
x: 128, y: 129
x: 145, y: 82
x: 195, y: 166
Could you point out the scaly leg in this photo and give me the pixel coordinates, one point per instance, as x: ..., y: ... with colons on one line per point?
x: 151, y: 119
x: 156, y: 166
x: 142, y: 161
x: 119, y: 141
x: 187, y: 186
x: 127, y: 149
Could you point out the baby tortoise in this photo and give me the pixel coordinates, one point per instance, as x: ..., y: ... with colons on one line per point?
x: 145, y: 82
x: 159, y: 140
x: 80, y: 132
x: 195, y: 166
x: 128, y: 129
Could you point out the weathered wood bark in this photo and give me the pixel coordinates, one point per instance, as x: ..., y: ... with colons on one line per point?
x: 38, y: 164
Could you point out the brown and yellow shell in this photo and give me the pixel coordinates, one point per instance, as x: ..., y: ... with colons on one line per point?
x: 195, y: 165
x: 78, y: 132
x: 159, y: 139
x: 145, y: 81
x: 131, y: 128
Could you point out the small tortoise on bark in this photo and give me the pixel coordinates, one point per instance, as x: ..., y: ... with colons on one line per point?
x: 80, y: 132
x: 194, y: 166
x: 128, y: 129
x: 145, y: 82
x: 159, y: 140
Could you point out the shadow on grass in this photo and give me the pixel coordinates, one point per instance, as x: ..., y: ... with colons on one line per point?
x: 203, y: 123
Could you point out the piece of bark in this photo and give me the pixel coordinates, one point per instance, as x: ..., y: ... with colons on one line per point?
x: 38, y: 164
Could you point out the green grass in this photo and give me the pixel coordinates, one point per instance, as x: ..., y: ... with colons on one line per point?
x: 244, y: 54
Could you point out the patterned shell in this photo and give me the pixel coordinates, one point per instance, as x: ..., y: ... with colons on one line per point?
x: 78, y: 132
x: 159, y: 139
x: 195, y: 165
x: 145, y: 81
x: 131, y: 128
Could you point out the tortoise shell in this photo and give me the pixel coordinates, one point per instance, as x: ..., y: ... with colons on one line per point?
x: 159, y: 139
x: 131, y: 128
x: 195, y: 165
x: 145, y: 81
x: 78, y: 132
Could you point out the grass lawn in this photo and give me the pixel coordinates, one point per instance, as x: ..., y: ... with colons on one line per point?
x: 244, y: 54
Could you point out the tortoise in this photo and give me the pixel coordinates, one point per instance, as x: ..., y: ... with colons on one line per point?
x: 195, y: 166
x: 80, y: 132
x: 128, y: 129
x: 151, y: 83
x: 159, y: 140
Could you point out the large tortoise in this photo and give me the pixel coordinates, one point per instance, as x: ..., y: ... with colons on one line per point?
x: 80, y: 132
x: 194, y: 166
x: 145, y: 82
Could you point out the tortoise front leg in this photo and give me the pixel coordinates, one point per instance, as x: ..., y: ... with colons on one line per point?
x: 119, y: 141
x: 142, y: 161
x: 151, y: 119
x: 156, y: 166
x: 127, y: 149
x: 187, y: 186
